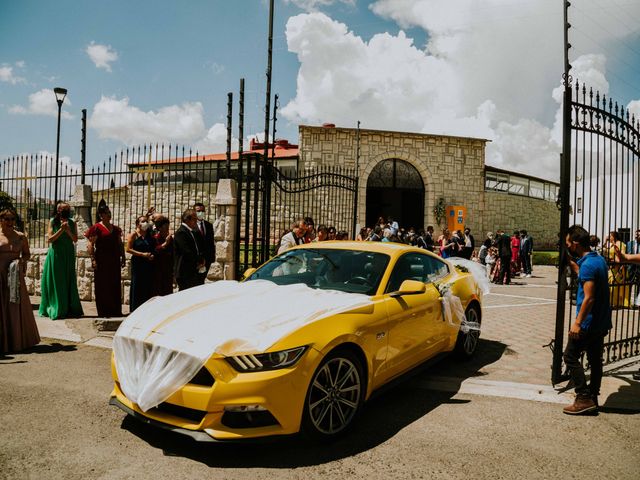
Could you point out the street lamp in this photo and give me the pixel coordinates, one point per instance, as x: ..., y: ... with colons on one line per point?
x: 60, y: 93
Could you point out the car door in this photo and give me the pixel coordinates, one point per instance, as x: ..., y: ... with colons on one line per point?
x: 415, y: 321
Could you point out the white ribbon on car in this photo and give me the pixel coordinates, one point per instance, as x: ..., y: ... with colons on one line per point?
x: 166, y: 341
x: 452, y: 309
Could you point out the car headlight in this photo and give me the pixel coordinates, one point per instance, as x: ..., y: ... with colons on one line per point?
x: 266, y: 361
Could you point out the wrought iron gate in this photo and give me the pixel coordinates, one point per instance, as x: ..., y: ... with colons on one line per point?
x: 269, y: 201
x: 600, y: 191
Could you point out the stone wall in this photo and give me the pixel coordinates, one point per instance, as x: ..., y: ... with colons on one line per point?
x: 451, y: 167
x: 541, y: 218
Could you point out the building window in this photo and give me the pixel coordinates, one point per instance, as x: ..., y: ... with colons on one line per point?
x: 518, y: 185
x: 497, y: 181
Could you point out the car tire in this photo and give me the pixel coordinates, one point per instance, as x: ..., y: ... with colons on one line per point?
x: 334, y: 397
x: 467, y: 342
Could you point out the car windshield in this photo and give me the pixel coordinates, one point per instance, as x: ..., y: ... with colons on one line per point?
x: 352, y: 271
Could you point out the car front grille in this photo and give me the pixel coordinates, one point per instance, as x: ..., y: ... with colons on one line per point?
x: 203, y: 377
x: 248, y: 419
x: 195, y: 416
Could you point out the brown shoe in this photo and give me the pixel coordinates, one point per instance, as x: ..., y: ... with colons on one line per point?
x: 581, y: 406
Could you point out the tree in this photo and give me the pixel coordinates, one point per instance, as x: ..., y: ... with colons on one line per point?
x: 6, y: 201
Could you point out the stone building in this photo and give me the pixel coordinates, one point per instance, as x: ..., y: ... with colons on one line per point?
x: 406, y: 175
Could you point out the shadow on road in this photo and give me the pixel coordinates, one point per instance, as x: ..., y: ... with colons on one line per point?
x: 51, y: 348
x: 40, y: 348
x: 382, y: 417
x: 618, y: 402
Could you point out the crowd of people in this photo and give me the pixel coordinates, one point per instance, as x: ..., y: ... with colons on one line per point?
x: 157, y: 258
x: 504, y: 256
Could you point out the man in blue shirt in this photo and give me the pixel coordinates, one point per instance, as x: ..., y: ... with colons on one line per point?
x: 592, y: 323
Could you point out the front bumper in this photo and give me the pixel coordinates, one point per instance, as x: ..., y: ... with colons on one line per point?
x: 199, y: 411
x: 196, y: 435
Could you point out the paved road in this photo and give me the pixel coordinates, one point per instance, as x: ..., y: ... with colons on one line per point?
x: 57, y: 424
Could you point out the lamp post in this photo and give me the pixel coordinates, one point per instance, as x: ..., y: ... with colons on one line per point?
x: 60, y: 93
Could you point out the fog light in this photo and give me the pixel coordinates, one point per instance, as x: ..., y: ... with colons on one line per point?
x: 244, y: 408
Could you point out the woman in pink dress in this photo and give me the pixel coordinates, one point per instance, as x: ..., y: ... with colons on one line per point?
x: 18, y: 330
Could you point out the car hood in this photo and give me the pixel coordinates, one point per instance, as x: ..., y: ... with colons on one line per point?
x: 161, y: 345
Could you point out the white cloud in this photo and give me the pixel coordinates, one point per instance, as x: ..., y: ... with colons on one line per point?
x: 42, y: 102
x: 634, y: 109
x: 489, y: 70
x: 387, y: 81
x: 7, y: 75
x: 215, y: 141
x: 314, y: 5
x: 115, y: 119
x: 215, y: 67
x: 101, y: 55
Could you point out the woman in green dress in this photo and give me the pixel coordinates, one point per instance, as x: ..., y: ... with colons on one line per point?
x: 60, y: 297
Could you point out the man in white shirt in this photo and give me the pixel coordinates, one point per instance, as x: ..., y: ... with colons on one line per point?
x: 294, y: 237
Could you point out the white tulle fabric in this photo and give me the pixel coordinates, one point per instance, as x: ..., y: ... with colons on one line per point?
x: 164, y: 343
x: 478, y: 271
x: 452, y: 305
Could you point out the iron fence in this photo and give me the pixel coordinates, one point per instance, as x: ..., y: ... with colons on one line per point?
x: 169, y: 178
x: 269, y: 201
x: 603, y: 177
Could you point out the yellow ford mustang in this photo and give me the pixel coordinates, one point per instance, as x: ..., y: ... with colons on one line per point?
x: 316, y: 376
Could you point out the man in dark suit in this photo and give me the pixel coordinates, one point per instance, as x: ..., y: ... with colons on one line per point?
x: 188, y: 259
x: 469, y: 244
x: 206, y: 230
x: 526, y: 251
x: 503, y: 242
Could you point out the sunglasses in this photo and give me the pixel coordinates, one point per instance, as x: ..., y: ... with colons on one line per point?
x: 9, y: 219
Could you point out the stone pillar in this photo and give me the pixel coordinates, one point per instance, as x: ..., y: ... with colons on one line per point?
x: 81, y: 201
x: 224, y: 231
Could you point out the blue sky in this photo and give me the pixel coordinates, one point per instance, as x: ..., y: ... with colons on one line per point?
x: 485, y: 69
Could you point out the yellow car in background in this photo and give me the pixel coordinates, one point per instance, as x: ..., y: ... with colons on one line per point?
x: 316, y: 378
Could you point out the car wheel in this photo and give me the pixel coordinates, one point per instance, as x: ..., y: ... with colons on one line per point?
x: 334, y: 397
x: 469, y: 333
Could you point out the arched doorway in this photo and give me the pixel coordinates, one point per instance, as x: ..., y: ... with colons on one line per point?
x: 395, y: 188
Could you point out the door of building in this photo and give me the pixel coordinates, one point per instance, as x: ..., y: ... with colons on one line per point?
x: 395, y: 188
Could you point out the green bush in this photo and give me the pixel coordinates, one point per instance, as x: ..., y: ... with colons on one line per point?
x: 545, y: 258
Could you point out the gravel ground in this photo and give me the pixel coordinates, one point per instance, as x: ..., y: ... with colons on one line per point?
x: 57, y: 424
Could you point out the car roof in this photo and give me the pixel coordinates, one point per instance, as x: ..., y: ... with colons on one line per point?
x: 390, y: 248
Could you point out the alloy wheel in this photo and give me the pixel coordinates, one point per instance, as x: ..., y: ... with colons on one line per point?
x: 472, y: 335
x: 334, y: 396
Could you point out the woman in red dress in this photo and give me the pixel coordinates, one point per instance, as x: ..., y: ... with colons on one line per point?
x: 515, y: 253
x: 107, y: 258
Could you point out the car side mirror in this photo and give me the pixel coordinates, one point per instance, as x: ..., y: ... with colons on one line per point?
x: 410, y: 287
x: 248, y: 272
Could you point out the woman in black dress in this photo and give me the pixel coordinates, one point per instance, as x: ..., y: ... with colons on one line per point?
x: 141, y: 245
x: 163, y: 263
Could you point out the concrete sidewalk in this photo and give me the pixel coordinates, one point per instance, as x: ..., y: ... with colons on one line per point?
x: 513, y: 359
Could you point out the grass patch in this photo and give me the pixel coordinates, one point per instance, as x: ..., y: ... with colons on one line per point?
x: 549, y: 257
